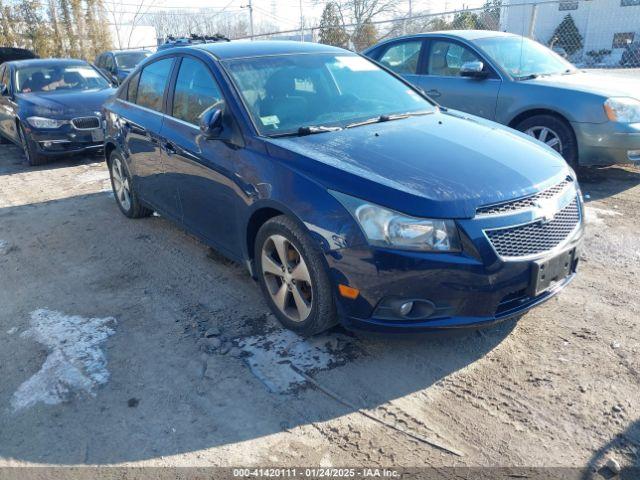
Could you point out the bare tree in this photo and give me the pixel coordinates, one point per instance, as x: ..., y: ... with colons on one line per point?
x: 122, y: 13
x: 361, y: 14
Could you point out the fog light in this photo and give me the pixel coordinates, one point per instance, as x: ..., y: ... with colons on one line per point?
x: 405, y: 308
x: 633, y: 155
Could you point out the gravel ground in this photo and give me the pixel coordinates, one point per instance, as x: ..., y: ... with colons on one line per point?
x: 129, y: 342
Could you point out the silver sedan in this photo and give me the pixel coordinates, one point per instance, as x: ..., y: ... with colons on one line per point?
x: 591, y: 119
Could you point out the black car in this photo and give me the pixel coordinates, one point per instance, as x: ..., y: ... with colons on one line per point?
x: 52, y: 107
x: 117, y: 64
x: 8, y: 54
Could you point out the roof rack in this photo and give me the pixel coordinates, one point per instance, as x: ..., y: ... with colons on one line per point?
x: 194, y: 39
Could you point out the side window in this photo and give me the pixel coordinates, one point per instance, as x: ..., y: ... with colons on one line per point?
x: 4, y: 77
x: 402, y: 57
x: 109, y: 64
x: 153, y: 79
x: 196, y: 90
x: 446, y: 58
x: 130, y: 91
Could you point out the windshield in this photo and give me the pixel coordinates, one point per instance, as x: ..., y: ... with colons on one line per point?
x: 522, y: 57
x: 129, y: 60
x: 285, y: 93
x: 55, y: 78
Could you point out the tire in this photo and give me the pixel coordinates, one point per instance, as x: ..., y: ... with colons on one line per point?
x: 123, y: 188
x: 30, y: 150
x: 568, y: 147
x: 317, y: 293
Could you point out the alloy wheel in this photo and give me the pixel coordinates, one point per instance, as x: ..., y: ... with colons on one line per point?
x: 546, y: 135
x: 121, y: 184
x: 287, y: 278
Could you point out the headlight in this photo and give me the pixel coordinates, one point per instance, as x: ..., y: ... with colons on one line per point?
x: 623, y: 109
x: 42, y: 122
x: 386, y: 228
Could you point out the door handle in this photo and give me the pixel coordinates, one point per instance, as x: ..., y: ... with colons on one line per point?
x: 434, y: 93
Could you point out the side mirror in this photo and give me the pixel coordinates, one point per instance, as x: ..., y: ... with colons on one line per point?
x: 474, y: 69
x: 211, y: 123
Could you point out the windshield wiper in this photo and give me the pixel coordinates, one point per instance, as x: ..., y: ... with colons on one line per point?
x: 313, y: 129
x: 528, y: 77
x: 307, y: 130
x: 388, y: 118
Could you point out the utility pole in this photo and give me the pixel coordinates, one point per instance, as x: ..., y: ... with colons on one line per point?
x: 301, y: 23
x: 250, y: 7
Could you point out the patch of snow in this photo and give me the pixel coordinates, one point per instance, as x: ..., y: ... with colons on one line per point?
x: 12, y: 330
x: 594, y: 215
x: 75, y: 363
x: 271, y: 357
x: 4, y: 246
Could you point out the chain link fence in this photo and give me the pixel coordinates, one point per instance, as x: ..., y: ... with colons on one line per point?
x: 589, y: 33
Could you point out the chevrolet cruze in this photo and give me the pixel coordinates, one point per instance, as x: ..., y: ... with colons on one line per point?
x: 347, y: 193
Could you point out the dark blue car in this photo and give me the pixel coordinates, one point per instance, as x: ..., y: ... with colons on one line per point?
x: 347, y: 193
x: 52, y: 108
x: 117, y: 64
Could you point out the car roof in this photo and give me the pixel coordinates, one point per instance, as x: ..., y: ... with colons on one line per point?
x: 130, y: 51
x: 240, y: 49
x: 471, y: 34
x: 34, y: 62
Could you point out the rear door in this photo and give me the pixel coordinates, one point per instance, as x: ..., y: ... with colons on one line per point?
x: 442, y: 81
x: 141, y: 120
x: 5, y: 111
x: 202, y: 169
x: 8, y: 107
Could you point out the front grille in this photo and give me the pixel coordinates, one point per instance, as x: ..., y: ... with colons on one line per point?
x: 524, y: 203
x: 86, y: 123
x: 537, y: 237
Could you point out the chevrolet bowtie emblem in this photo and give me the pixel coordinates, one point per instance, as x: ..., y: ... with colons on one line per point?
x: 546, y: 209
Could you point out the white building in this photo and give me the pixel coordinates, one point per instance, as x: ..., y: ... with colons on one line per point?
x: 603, y: 24
x: 130, y: 36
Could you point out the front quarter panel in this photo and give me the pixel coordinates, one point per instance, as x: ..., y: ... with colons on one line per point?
x: 517, y: 97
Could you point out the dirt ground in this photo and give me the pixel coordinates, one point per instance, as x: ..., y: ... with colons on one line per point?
x: 102, y: 359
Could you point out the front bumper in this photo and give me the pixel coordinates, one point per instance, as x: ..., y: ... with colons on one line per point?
x: 66, y: 140
x: 469, y: 289
x: 607, y: 143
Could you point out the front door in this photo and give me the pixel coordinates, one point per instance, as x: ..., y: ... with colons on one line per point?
x: 201, y: 168
x: 442, y: 80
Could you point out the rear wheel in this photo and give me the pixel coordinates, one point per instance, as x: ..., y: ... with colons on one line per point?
x: 123, y: 190
x: 554, y: 132
x: 293, y: 277
x: 30, y: 150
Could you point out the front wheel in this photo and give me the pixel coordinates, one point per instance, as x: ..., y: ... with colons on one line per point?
x: 293, y: 277
x: 555, y: 133
x: 123, y: 190
x: 29, y: 148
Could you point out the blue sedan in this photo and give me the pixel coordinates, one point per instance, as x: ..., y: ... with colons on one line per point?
x: 346, y: 192
x: 591, y: 119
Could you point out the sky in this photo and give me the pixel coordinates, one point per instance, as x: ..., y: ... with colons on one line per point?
x: 285, y: 14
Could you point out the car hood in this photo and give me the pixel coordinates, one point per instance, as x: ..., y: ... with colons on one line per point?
x: 64, y: 104
x: 443, y: 165
x: 595, y: 83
